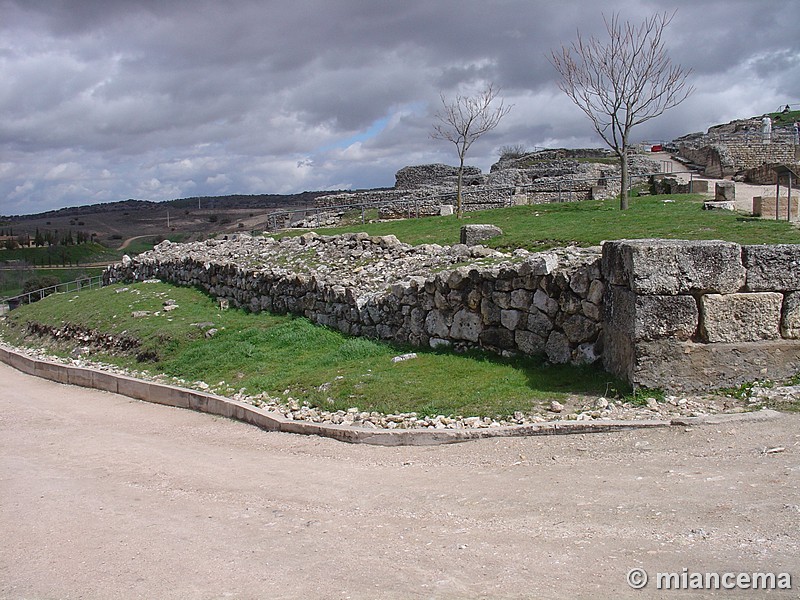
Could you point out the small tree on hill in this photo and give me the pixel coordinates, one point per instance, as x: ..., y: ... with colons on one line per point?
x: 464, y: 120
x: 623, y: 82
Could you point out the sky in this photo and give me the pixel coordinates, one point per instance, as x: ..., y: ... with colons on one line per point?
x: 105, y: 100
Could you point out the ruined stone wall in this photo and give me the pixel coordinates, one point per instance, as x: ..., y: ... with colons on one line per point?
x: 526, y: 303
x: 700, y: 315
x: 725, y: 159
x: 659, y: 313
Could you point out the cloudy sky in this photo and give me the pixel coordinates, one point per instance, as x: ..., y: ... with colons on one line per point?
x: 104, y: 100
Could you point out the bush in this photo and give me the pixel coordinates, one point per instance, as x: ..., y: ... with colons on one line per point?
x: 513, y: 151
x: 38, y: 283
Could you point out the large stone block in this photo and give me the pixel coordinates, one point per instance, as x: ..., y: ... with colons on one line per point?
x: 474, y: 234
x: 667, y: 267
x: 745, y: 317
x: 466, y: 326
x: 688, y: 366
x: 772, y: 268
x: 651, y: 317
x: 790, y: 319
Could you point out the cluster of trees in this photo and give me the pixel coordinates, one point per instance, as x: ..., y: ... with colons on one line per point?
x: 47, y: 238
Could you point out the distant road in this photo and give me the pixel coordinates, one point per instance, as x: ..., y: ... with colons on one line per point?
x: 127, y: 242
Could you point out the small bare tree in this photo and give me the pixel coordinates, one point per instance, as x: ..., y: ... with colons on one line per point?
x: 464, y: 120
x: 623, y: 82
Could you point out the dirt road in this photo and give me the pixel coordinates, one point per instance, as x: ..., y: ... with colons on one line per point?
x: 105, y: 497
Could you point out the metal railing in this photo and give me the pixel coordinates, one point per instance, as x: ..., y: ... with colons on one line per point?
x: 83, y: 283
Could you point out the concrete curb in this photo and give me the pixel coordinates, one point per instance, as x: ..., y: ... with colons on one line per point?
x: 225, y: 407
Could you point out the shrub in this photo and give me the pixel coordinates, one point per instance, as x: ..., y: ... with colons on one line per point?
x: 38, y: 283
x: 513, y: 151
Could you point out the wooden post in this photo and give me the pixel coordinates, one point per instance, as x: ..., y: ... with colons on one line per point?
x: 777, y: 197
x: 789, y: 199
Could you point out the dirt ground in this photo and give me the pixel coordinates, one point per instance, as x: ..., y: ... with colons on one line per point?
x: 106, y: 497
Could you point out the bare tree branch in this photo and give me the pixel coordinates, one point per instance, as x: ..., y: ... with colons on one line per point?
x: 623, y: 82
x: 464, y: 120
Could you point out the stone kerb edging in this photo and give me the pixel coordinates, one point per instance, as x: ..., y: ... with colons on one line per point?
x: 177, y: 397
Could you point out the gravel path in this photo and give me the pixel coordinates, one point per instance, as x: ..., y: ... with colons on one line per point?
x: 105, y: 497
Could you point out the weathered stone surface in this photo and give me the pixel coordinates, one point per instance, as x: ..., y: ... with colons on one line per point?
x: 529, y: 343
x: 772, y: 268
x: 436, y: 324
x: 689, y: 366
x: 466, y: 326
x: 666, y: 267
x: 790, y: 320
x: 474, y: 234
x: 725, y: 191
x: 651, y: 317
x: 740, y: 317
x: 557, y: 348
x: 719, y: 205
x: 579, y: 329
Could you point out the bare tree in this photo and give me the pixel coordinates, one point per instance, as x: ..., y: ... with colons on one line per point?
x: 464, y: 120
x: 623, y: 82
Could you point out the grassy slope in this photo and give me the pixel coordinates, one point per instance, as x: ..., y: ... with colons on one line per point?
x: 269, y: 353
x: 590, y: 222
x: 275, y: 353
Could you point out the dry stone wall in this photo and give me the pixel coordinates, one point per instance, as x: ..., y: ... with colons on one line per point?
x: 659, y: 313
x: 376, y: 287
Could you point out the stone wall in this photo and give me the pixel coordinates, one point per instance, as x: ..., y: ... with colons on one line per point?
x: 700, y: 315
x: 736, y: 155
x: 660, y: 313
x: 529, y: 303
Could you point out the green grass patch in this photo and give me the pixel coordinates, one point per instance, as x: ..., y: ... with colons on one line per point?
x: 272, y: 354
x: 587, y: 223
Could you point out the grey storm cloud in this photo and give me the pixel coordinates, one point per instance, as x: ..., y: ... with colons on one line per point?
x: 104, y: 100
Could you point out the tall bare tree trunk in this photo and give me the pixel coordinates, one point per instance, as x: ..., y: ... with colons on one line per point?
x: 459, y: 209
x: 624, y: 183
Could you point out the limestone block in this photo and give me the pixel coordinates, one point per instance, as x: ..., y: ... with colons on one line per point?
x: 596, y: 290
x: 521, y: 299
x: 688, y: 366
x: 790, y: 320
x: 529, y: 343
x: 651, y: 317
x: 772, y: 268
x: 466, y: 326
x: 436, y: 324
x: 725, y: 191
x: 747, y: 317
x: 665, y: 267
x: 539, y: 264
x: 545, y: 303
x: 474, y: 234
x: 510, y: 319
x: 539, y: 323
x: 445, y: 210
x: 764, y: 206
x: 580, y: 329
x: 557, y: 348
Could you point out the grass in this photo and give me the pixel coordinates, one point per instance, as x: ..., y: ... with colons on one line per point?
x: 272, y: 354
x: 588, y: 223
